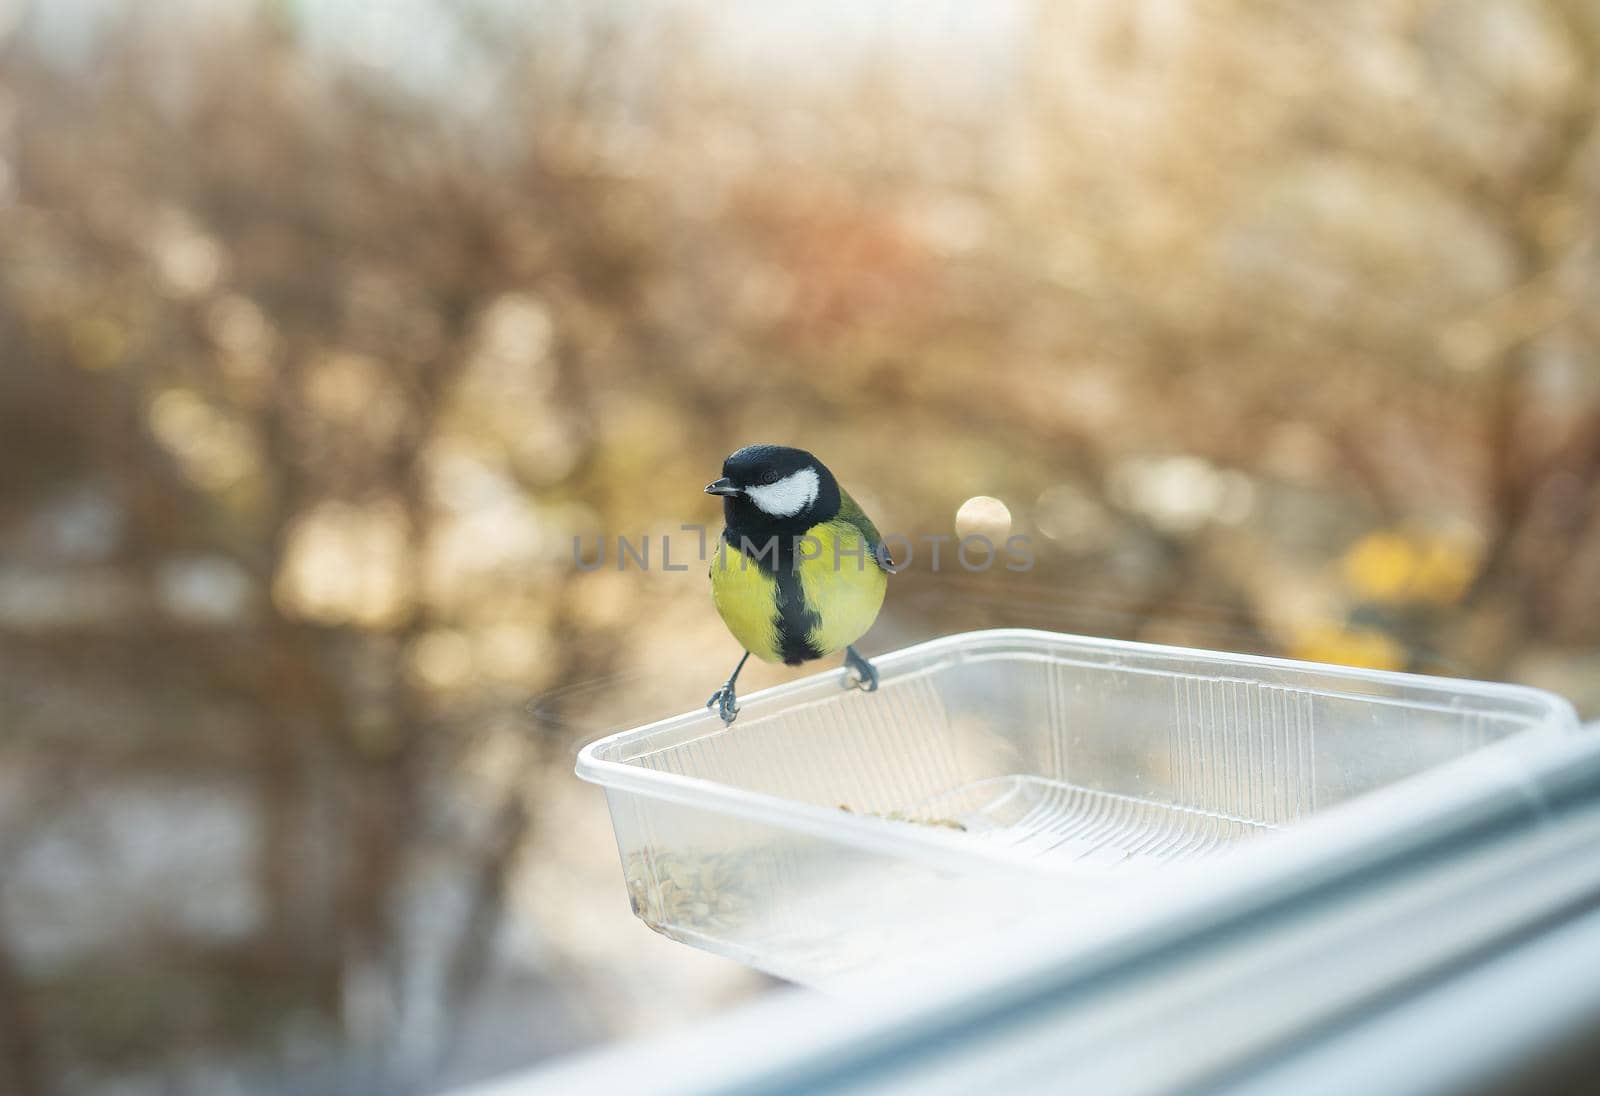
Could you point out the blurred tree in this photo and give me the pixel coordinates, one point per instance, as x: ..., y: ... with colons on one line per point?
x: 1271, y: 323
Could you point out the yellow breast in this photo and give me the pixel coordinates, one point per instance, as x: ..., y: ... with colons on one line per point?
x: 844, y: 586
x: 746, y: 597
x: 833, y: 598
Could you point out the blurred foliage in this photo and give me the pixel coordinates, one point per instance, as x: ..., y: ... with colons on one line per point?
x: 1271, y: 324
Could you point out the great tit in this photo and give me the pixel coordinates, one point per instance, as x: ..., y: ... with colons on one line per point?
x: 799, y: 571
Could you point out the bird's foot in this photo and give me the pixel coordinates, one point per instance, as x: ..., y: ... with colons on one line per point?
x: 726, y: 703
x: 864, y: 675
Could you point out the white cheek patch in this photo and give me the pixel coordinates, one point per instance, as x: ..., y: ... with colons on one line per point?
x: 787, y: 497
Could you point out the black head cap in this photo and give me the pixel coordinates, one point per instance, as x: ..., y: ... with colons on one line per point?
x: 773, y: 488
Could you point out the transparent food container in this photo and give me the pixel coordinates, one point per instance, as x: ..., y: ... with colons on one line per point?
x: 1002, y: 781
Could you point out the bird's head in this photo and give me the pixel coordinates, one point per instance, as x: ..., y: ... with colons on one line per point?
x: 775, y: 487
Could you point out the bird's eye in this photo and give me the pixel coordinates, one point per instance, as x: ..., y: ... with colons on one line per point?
x: 768, y: 478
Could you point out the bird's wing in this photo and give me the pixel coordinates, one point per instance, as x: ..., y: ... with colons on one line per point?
x: 850, y: 512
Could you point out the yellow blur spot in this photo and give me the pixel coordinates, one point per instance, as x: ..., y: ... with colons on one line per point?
x: 1379, y: 566
x: 348, y: 564
x: 1397, y: 568
x: 342, y: 387
x: 441, y: 659
x: 1346, y: 646
x: 214, y: 449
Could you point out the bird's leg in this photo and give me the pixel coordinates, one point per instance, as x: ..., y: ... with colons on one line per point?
x: 724, y: 699
x: 865, y: 677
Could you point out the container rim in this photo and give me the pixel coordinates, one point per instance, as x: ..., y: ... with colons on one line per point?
x: 1550, y: 714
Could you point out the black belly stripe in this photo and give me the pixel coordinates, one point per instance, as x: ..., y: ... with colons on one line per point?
x: 795, y: 619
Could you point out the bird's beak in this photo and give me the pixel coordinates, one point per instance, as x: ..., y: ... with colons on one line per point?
x: 723, y: 486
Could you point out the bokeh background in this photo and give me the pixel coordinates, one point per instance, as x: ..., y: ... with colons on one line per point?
x: 326, y: 327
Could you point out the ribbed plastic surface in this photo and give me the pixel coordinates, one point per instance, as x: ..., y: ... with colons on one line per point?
x: 1053, y: 820
x: 996, y: 773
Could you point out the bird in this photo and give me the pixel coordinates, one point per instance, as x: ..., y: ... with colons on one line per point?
x: 799, y: 572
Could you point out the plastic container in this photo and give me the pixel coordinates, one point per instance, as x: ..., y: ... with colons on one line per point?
x: 1001, y: 780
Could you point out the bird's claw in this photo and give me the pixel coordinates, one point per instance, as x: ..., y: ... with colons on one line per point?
x: 865, y: 680
x: 726, y: 704
x: 864, y: 675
